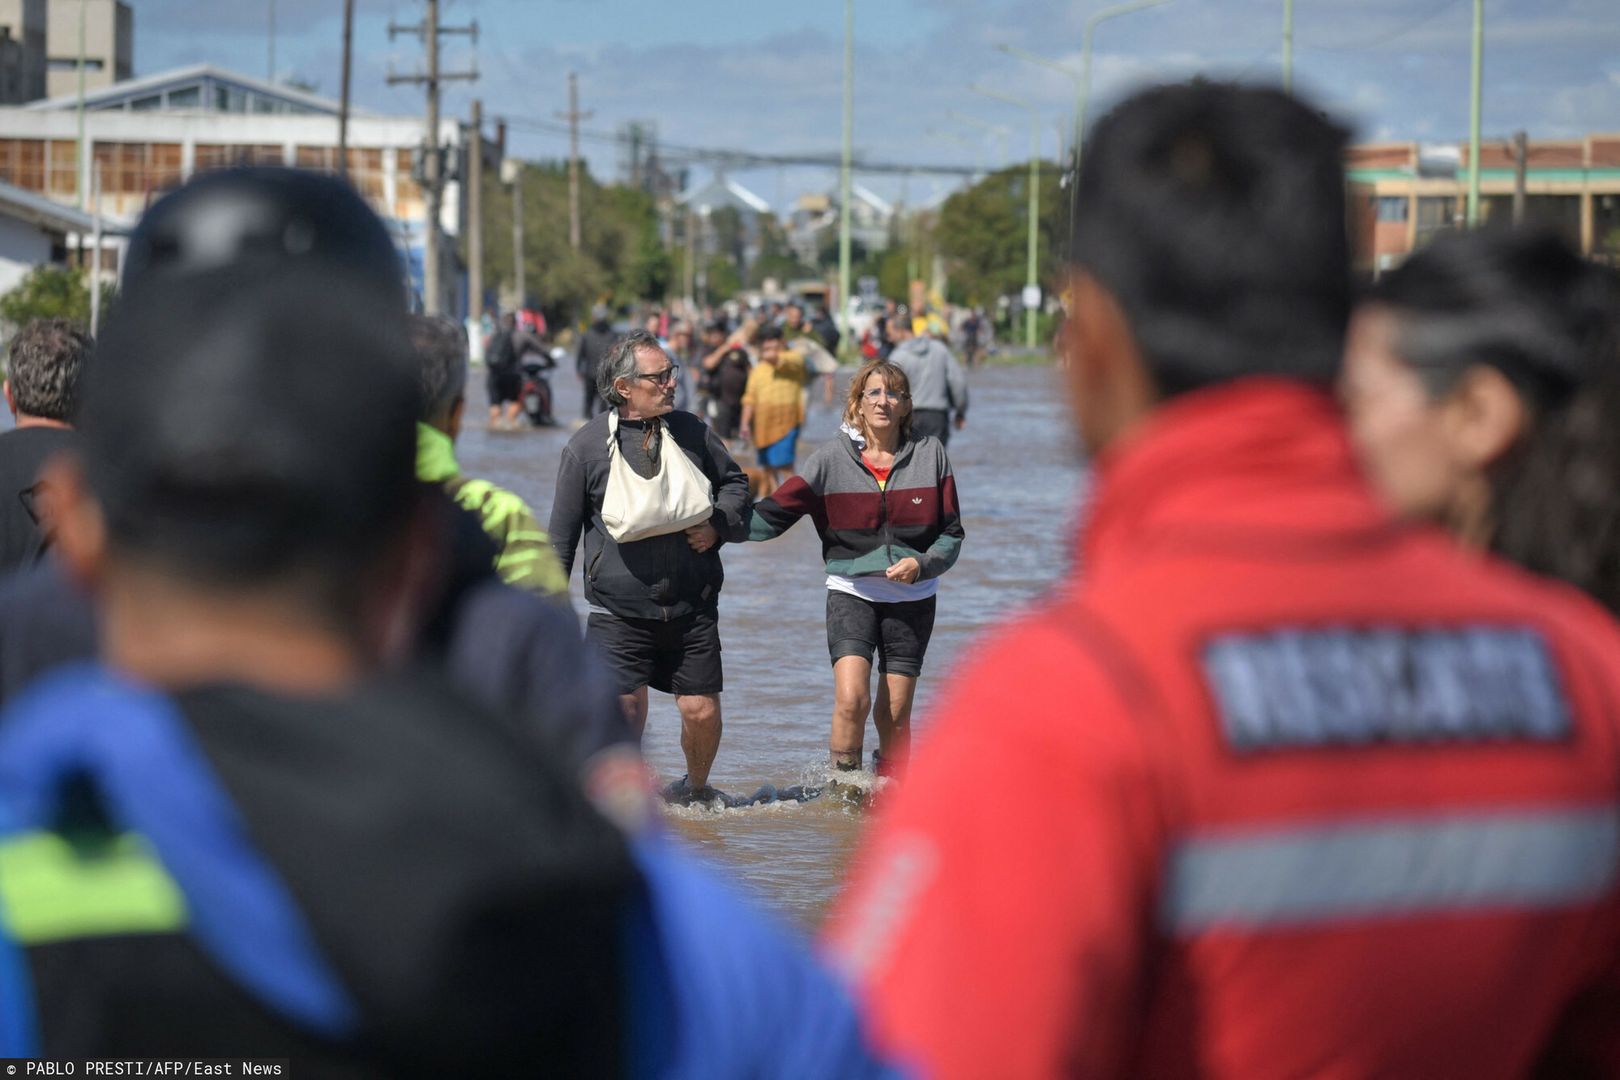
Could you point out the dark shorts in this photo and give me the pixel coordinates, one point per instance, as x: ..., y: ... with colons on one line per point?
x: 727, y: 418
x: 935, y: 422
x: 503, y: 386
x: 681, y: 656
x: 898, y: 633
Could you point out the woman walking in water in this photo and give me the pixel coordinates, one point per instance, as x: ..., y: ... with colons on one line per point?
x: 884, y: 504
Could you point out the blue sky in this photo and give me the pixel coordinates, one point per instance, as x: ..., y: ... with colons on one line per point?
x: 766, y: 76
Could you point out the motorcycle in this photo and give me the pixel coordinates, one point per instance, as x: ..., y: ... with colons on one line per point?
x: 535, y: 395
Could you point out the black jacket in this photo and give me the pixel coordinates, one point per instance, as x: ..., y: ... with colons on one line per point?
x: 660, y: 577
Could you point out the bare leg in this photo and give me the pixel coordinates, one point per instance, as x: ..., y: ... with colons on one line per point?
x: 891, y: 715
x: 494, y: 416
x: 635, y: 710
x: 852, y: 700
x: 700, y: 734
x: 512, y: 410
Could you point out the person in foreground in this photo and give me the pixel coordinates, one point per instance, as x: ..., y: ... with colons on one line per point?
x: 1323, y: 795
x: 884, y: 503
x: 1482, y: 382
x: 524, y: 558
x: 239, y: 834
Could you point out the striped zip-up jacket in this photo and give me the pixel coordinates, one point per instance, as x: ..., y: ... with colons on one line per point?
x: 866, y: 529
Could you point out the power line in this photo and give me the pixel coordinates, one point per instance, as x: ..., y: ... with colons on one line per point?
x: 739, y: 159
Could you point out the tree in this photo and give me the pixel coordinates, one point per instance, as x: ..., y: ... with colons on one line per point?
x: 50, y: 292
x: 982, y: 233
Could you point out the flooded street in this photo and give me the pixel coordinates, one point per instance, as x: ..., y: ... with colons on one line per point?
x: 1017, y: 476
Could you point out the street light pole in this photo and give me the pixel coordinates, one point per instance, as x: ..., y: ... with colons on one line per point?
x: 1032, y: 271
x: 844, y: 169
x: 1288, y: 45
x: 1473, y: 113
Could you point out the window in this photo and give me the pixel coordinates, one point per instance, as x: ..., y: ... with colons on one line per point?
x: 223, y: 155
x: 137, y: 168
x: 1392, y: 207
x: 61, y: 169
x: 187, y: 98
x: 22, y: 162
x: 150, y: 103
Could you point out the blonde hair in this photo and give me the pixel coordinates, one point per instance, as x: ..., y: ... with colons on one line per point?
x: 894, y: 380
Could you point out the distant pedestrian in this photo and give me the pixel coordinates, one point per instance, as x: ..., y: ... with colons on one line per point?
x: 594, y: 344
x: 773, y: 405
x: 43, y: 365
x: 939, y: 389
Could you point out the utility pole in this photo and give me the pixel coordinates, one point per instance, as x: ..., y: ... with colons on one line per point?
x: 270, y: 61
x: 1474, y: 94
x: 83, y: 174
x: 343, y: 106
x: 844, y: 169
x: 1521, y: 167
x: 475, y: 226
x: 429, y: 32
x: 512, y: 173
x: 1288, y: 45
x: 573, y: 116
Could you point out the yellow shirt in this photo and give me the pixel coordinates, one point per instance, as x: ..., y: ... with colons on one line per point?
x: 776, y: 393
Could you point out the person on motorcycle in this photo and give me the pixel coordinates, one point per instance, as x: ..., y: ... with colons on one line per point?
x: 504, y: 361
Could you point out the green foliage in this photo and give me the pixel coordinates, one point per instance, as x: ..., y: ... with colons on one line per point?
x: 982, y: 233
x: 723, y: 281
x: 50, y: 292
x: 620, y: 257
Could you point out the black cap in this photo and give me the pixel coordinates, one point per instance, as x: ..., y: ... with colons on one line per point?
x: 253, y: 408
x: 263, y: 217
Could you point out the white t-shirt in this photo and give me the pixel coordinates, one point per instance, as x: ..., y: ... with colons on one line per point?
x: 880, y: 590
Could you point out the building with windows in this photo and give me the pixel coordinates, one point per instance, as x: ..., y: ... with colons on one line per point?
x: 22, y: 51
x: 108, y: 33
x: 1403, y: 198
x: 143, y: 136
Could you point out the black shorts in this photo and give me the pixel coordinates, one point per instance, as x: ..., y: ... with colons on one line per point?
x: 681, y: 656
x: 727, y: 418
x: 503, y: 386
x: 898, y: 633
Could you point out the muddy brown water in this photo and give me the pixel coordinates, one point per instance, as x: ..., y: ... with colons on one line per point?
x: 1019, y: 483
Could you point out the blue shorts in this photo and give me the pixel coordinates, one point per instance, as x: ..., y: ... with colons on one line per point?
x: 780, y: 454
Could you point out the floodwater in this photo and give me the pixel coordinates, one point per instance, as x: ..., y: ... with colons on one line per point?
x: 1019, y: 481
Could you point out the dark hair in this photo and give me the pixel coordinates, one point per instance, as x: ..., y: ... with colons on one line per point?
x: 43, y: 364
x: 440, y: 345
x: 1215, y: 214
x: 1523, y: 302
x: 768, y: 333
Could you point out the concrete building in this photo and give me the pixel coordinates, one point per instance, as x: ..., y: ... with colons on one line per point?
x: 22, y: 51
x: 109, y: 45
x: 36, y: 231
x: 149, y: 134
x: 1572, y: 185
x: 815, y: 216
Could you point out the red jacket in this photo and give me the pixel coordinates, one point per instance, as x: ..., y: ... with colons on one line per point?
x: 1279, y: 789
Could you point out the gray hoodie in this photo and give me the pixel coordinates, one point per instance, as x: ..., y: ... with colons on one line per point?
x: 937, y: 378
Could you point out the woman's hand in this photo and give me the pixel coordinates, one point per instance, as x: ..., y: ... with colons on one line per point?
x: 906, y: 571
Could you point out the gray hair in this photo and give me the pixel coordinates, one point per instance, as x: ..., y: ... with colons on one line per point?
x: 45, y: 361
x: 440, y: 346
x: 620, y: 363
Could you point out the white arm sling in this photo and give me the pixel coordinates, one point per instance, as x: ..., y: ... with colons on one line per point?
x: 671, y: 500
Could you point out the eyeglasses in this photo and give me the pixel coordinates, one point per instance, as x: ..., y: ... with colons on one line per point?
x: 878, y: 393
x: 662, y: 378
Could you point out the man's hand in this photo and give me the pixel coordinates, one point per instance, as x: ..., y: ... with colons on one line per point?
x: 702, y: 537
x: 906, y: 571
x: 961, y: 421
x: 743, y: 434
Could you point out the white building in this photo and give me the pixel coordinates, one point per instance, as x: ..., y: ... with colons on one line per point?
x: 36, y: 231
x: 150, y: 134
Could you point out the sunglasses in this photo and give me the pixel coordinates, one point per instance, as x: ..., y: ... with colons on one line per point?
x: 662, y: 378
